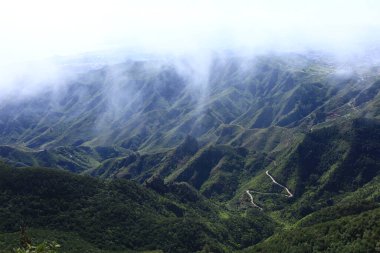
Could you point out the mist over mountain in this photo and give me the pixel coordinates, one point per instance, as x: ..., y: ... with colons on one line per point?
x: 214, y: 126
x: 155, y: 103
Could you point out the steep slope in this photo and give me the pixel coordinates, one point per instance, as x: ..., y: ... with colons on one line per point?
x: 220, y: 154
x: 139, y: 167
x: 354, y: 229
x: 119, y: 214
x: 150, y: 106
x: 75, y: 159
x: 326, y: 167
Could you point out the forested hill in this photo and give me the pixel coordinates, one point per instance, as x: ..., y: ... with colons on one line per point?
x: 261, y: 154
x: 89, y: 215
x: 148, y: 106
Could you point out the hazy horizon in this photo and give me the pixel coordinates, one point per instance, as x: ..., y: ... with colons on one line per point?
x: 38, y: 37
x: 40, y: 29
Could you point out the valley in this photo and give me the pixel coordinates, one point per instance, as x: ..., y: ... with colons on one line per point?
x: 251, y: 154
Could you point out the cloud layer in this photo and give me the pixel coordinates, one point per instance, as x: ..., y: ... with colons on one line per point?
x: 42, y: 28
x: 35, y: 34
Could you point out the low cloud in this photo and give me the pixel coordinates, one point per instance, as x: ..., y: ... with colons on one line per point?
x: 101, y: 32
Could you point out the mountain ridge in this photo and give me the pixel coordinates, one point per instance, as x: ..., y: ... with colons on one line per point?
x: 274, y: 126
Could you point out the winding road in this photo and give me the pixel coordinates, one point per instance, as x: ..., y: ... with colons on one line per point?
x: 269, y: 193
x: 253, y: 203
x: 275, y: 182
x: 289, y: 194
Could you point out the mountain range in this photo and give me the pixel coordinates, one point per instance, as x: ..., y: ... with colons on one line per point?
x: 271, y: 153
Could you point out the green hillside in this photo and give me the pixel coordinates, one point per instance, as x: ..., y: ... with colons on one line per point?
x: 275, y: 153
x: 120, y: 215
x: 152, y: 106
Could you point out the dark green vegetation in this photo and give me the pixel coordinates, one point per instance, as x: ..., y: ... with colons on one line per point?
x: 165, y: 163
x: 344, y: 233
x: 120, y: 214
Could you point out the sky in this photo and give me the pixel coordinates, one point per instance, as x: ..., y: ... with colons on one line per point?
x: 37, y: 29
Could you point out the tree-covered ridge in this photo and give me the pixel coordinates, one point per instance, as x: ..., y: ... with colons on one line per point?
x: 51, y: 199
x: 353, y: 233
x: 150, y: 106
x: 119, y: 214
x: 184, y: 170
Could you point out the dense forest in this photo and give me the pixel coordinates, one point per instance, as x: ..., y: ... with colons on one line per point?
x: 281, y: 154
